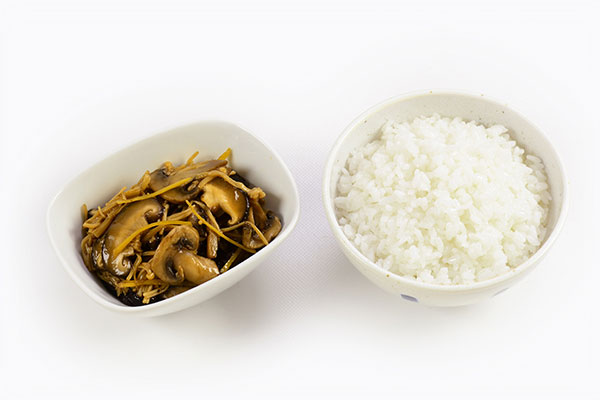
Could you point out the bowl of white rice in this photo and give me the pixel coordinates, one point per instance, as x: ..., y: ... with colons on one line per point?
x: 444, y: 198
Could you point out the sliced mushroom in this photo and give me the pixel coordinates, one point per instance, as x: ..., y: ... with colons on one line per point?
x: 167, y: 175
x: 221, y: 196
x: 96, y: 254
x: 247, y: 231
x: 197, y: 269
x: 260, y: 218
x: 174, y: 291
x: 212, y: 244
x: 272, y: 228
x: 212, y: 239
x: 176, y: 260
x: 130, y: 219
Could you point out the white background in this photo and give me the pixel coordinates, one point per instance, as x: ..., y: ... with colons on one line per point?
x: 294, y: 74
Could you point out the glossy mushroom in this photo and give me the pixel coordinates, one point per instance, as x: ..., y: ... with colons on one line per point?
x: 212, y: 244
x: 174, y: 291
x: 272, y: 227
x: 130, y: 219
x: 196, y: 202
x: 221, y: 196
x: 167, y: 175
x: 212, y: 239
x: 176, y: 260
x: 258, y: 214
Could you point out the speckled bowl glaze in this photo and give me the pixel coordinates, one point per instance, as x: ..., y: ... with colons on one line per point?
x: 470, y: 107
x: 251, y: 157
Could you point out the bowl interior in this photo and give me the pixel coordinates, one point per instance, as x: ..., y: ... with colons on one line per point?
x: 448, y: 104
x: 250, y: 157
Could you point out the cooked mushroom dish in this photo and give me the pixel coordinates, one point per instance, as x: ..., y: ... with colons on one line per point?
x: 177, y: 228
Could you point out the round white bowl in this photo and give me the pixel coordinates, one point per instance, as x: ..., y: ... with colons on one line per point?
x: 250, y: 156
x: 470, y: 107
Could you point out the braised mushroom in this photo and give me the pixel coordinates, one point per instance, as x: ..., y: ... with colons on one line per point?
x: 258, y: 214
x: 212, y: 244
x: 176, y: 260
x: 176, y: 228
x: 196, y: 269
x: 175, y: 290
x: 221, y: 196
x: 130, y: 219
x: 272, y: 227
x: 96, y: 254
x: 167, y: 175
x: 212, y: 239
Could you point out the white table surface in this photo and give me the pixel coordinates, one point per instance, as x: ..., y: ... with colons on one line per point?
x: 305, y: 322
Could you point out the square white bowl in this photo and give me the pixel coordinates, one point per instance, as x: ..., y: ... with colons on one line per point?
x: 252, y: 158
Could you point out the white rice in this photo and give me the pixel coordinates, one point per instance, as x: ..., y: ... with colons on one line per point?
x: 443, y: 201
